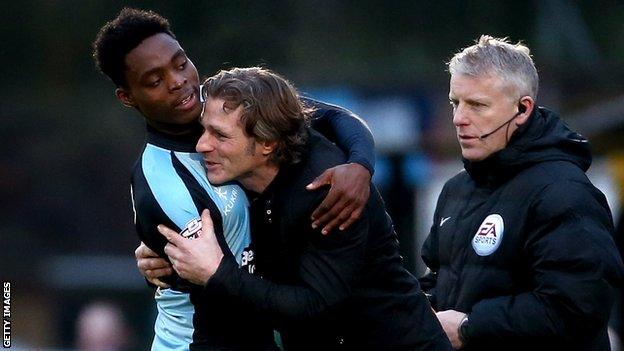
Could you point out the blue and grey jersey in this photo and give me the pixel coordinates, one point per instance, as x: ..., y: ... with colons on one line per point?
x: 170, y: 186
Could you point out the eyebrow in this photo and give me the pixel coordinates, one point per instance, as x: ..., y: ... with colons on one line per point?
x: 153, y: 70
x: 177, y: 54
x: 219, y: 130
x: 478, y: 100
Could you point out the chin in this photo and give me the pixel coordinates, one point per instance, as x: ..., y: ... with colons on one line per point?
x: 473, y: 156
x: 214, y: 180
x: 217, y: 179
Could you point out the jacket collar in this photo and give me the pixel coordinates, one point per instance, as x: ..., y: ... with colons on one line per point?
x: 544, y: 137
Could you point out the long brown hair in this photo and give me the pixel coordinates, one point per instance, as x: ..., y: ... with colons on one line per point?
x: 272, y: 111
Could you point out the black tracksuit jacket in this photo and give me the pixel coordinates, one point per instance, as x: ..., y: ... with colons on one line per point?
x: 547, y: 265
x: 343, y: 291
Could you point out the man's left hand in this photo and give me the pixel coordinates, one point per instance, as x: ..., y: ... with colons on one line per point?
x: 349, y: 192
x: 195, y: 260
x: 450, y: 320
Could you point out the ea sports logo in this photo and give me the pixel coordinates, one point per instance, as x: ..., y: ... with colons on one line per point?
x: 489, y: 235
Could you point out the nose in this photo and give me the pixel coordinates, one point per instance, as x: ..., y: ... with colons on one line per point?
x: 177, y: 81
x: 204, y: 144
x: 460, y: 117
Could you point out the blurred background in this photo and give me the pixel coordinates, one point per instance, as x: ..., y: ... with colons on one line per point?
x: 67, y: 238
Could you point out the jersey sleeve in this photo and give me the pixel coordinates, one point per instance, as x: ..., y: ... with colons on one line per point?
x: 347, y: 130
x: 160, y: 197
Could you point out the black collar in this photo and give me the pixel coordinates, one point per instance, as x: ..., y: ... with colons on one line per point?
x: 184, y: 142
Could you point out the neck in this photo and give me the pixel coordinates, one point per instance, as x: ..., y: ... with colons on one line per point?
x: 175, y: 129
x: 260, y: 178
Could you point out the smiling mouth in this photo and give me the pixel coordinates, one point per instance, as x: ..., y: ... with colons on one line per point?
x: 185, y: 103
x: 210, y: 163
x: 186, y: 100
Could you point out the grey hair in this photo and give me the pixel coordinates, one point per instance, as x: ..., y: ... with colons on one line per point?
x: 512, y: 63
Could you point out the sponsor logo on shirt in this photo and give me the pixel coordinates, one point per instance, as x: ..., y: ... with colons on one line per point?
x: 248, y: 260
x: 192, y: 229
x: 222, y: 193
x: 228, y: 201
x: 489, y: 235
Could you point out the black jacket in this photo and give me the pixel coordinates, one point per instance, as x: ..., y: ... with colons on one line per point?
x: 174, y: 188
x: 343, y: 291
x: 522, y: 242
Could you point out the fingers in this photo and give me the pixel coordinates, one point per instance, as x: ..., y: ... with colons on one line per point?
x: 151, y: 266
x: 324, y: 179
x: 159, y: 283
x: 172, y: 252
x: 337, y: 220
x: 138, y: 250
x: 209, y: 234
x: 355, y: 209
x: 342, y: 215
x: 355, y: 215
x: 154, y: 268
x: 350, y: 188
x: 337, y: 214
x: 207, y: 225
x: 345, y: 219
x: 158, y: 273
x: 145, y: 264
x: 142, y: 251
x: 172, y: 236
x: 322, y: 213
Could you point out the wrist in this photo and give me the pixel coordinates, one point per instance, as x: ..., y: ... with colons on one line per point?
x: 212, y: 269
x: 464, y: 331
x: 353, y: 159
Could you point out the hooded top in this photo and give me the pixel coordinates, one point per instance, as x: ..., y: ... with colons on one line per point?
x: 522, y: 242
x: 544, y: 137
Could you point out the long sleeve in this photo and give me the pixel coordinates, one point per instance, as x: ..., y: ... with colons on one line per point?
x: 574, y: 266
x: 429, y: 254
x: 328, y: 267
x: 347, y: 130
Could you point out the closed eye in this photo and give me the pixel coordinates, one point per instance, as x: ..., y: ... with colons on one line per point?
x: 476, y: 104
x: 218, y: 134
x: 221, y: 136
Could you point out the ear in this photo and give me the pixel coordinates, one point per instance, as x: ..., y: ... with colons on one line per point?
x: 268, y: 147
x: 125, y: 97
x: 525, y: 106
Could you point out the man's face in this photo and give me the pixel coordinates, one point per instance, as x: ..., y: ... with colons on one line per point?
x: 480, y: 105
x: 229, y: 153
x: 163, y: 83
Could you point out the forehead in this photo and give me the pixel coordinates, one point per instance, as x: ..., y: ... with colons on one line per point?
x: 215, y: 116
x: 153, y: 52
x: 467, y: 86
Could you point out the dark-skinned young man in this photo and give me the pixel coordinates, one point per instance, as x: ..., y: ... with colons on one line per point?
x: 141, y: 55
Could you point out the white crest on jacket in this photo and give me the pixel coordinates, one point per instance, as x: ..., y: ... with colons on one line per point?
x: 489, y: 235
